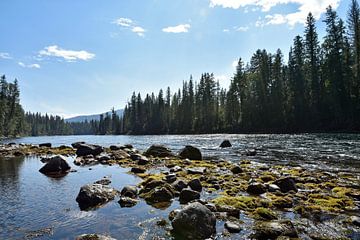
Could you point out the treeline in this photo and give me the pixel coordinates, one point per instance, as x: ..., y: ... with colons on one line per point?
x: 15, y: 122
x: 318, y: 90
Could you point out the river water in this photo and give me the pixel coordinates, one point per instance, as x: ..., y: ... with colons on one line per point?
x: 33, y: 205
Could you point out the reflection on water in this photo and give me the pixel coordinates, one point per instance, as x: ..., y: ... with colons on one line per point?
x: 30, y: 202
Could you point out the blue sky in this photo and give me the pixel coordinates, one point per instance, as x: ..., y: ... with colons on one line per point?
x: 87, y: 56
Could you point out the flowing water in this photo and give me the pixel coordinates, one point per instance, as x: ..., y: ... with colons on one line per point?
x: 33, y: 205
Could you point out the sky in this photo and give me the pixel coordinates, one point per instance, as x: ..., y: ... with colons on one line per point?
x: 86, y: 56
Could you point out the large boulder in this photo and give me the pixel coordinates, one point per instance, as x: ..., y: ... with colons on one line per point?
x: 158, y: 151
x: 286, y: 184
x: 195, y: 185
x: 55, y: 165
x: 89, y: 149
x: 195, y: 221
x: 225, y: 144
x: 92, y: 195
x: 274, y: 229
x: 191, y: 153
x: 129, y: 191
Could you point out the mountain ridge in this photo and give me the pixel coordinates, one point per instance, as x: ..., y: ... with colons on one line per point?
x: 96, y: 117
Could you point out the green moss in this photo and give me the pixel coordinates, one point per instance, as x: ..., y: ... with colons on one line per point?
x: 239, y: 202
x: 264, y: 214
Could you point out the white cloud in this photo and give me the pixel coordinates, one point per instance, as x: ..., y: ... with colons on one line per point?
x: 5, y: 55
x: 182, y: 28
x: 139, y: 31
x: 124, y: 22
x: 317, y: 7
x: 68, y: 55
x: 234, y: 64
x: 242, y: 29
x: 128, y: 23
x: 35, y: 65
x: 226, y: 30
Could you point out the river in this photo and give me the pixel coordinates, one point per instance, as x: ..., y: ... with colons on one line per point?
x: 34, y: 205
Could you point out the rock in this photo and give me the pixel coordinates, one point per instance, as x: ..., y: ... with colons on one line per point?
x: 273, y: 188
x: 120, y: 154
x: 158, y: 151
x: 18, y: 154
x: 115, y: 147
x: 159, y: 194
x: 170, y: 178
x: 127, y: 202
x: 229, y: 210
x: 136, y: 156
x: 195, y: 221
x: 286, y: 184
x: 355, y: 220
x: 251, y: 153
x: 129, y: 191
x: 176, y: 169
x: 88, y: 149
x: 225, y: 144
x: 92, y: 195
x: 191, y: 153
x: 143, y: 161
x: 104, y: 181
x: 77, y: 144
x: 103, y: 157
x: 138, y: 170
x: 187, y: 195
x: 196, y: 170
x: 256, y: 188
x: 274, y: 229
x: 56, y: 165
x: 195, y: 185
x: 45, y: 145
x: 236, y: 170
x: 93, y: 237
x: 232, y: 227
x: 179, y: 185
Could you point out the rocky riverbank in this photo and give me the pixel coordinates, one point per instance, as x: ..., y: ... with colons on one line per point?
x: 265, y: 201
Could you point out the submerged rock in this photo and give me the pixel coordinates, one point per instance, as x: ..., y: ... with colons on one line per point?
x: 251, y: 153
x: 191, y: 153
x: 127, y: 202
x: 138, y: 170
x: 225, y: 144
x: 274, y: 229
x: 104, y: 181
x: 158, y: 151
x: 195, y: 221
x: 92, y: 195
x: 94, y: 237
x: 232, y: 227
x: 55, y: 165
x: 88, y: 149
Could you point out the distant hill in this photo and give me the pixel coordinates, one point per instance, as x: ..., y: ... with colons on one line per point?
x: 88, y: 118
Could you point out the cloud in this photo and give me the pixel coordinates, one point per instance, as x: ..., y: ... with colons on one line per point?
x: 124, y: 22
x: 317, y: 7
x: 182, y: 28
x: 35, y: 65
x: 5, y: 55
x: 68, y: 55
x: 128, y: 23
x: 139, y: 31
x: 242, y: 29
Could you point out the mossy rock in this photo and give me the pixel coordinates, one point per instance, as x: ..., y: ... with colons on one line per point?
x: 264, y: 214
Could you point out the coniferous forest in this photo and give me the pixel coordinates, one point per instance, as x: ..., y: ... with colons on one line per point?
x: 316, y: 90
